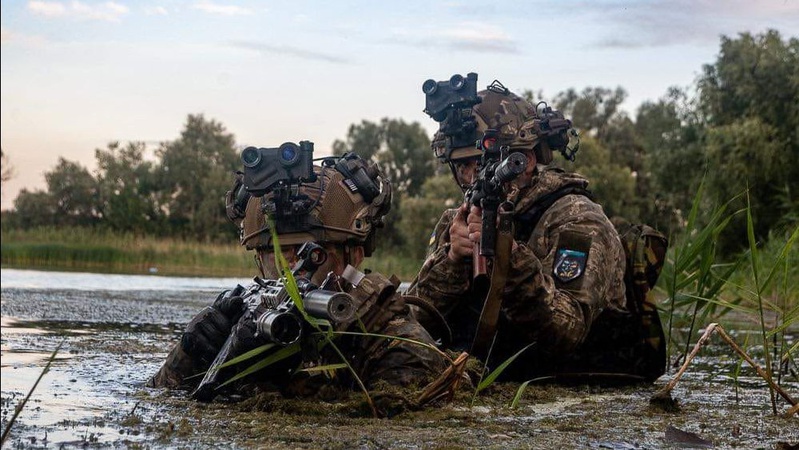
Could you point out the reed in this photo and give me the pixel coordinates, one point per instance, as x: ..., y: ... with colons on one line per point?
x: 757, y: 289
x: 101, y: 251
x: 94, y: 250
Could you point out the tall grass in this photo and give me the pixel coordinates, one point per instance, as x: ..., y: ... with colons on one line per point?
x: 104, y: 251
x: 758, y: 289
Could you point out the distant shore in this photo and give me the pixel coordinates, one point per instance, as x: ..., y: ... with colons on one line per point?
x: 87, y: 250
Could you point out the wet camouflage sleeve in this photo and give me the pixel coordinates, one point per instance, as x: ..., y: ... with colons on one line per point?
x: 392, y: 361
x: 555, y: 313
x: 177, y: 367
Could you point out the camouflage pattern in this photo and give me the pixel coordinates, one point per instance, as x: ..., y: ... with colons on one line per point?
x: 512, y: 116
x: 381, y: 310
x: 340, y: 214
x: 563, y: 319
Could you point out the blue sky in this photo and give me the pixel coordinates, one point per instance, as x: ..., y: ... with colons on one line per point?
x: 79, y: 74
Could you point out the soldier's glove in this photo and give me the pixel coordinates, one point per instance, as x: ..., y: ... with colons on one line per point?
x: 207, y: 332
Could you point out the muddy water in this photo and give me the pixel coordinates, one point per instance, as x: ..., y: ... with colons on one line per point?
x: 115, y: 331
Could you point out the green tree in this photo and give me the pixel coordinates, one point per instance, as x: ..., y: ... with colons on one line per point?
x: 672, y: 136
x: 612, y: 155
x: 194, y: 173
x: 403, y: 152
x: 33, y: 209
x: 127, y: 190
x: 7, y: 170
x: 74, y: 194
x: 421, y: 213
x: 612, y: 184
x: 592, y: 111
x: 748, y: 154
x: 749, y: 99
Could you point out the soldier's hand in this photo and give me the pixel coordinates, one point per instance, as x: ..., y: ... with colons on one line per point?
x: 461, y: 246
x: 229, y: 304
x: 207, y: 332
x: 474, y: 221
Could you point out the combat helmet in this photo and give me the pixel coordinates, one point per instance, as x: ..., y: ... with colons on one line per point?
x: 519, y: 125
x: 344, y: 204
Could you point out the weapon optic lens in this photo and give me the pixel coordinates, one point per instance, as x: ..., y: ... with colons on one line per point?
x: 250, y: 157
x: 318, y: 256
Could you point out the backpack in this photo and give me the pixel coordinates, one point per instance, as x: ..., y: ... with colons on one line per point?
x: 645, y: 253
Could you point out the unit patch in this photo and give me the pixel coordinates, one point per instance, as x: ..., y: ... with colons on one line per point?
x: 569, y: 264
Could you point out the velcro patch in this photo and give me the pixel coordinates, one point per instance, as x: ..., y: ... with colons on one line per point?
x: 571, y: 258
x: 569, y: 264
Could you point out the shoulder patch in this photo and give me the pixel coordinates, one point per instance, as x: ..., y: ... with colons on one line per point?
x: 569, y: 264
x: 571, y: 258
x: 432, y: 239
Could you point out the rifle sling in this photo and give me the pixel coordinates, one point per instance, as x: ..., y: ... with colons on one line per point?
x: 489, y: 316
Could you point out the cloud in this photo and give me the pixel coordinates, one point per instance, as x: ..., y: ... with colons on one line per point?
x: 289, y: 51
x: 107, y: 11
x: 50, y: 9
x: 479, y: 37
x: 672, y: 22
x: 225, y: 10
x: 466, y: 36
x: 9, y: 37
x: 156, y: 11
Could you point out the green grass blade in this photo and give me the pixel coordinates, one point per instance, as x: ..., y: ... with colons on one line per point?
x: 498, y: 371
x: 328, y: 367
x: 515, y: 402
x: 279, y: 355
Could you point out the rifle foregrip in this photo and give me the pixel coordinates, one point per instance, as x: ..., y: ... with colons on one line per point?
x: 488, y: 233
x: 479, y: 264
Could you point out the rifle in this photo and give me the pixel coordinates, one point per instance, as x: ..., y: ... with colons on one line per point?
x: 268, y: 306
x: 487, y: 192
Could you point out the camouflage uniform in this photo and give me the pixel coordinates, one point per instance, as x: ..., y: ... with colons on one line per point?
x: 578, y: 325
x: 380, y: 309
x: 339, y: 215
x: 564, y: 295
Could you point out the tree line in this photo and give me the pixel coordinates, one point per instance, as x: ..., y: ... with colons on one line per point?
x: 733, y: 132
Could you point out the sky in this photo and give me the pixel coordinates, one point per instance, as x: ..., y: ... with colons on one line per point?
x: 77, y: 75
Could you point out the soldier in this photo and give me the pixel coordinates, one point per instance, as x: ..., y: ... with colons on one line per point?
x: 341, y: 211
x: 564, y: 293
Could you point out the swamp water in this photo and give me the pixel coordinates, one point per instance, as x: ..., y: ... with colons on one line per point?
x: 115, y: 331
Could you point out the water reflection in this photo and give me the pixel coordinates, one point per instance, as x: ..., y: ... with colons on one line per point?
x: 35, y: 279
x: 116, y: 331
